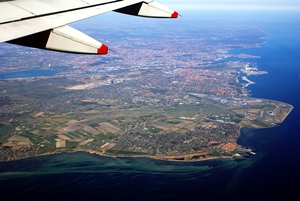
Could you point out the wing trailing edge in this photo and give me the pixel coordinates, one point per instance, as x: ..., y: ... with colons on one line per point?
x: 42, y: 24
x: 63, y: 39
x: 148, y: 9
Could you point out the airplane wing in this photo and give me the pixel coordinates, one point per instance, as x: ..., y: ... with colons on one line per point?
x: 43, y: 23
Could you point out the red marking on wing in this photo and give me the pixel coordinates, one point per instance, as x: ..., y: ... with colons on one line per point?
x: 103, y: 49
x: 174, y: 15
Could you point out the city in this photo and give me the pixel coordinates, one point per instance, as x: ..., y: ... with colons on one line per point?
x: 153, y: 96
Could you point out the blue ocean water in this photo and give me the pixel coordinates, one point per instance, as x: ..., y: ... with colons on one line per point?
x: 28, y: 73
x: 272, y: 173
x: 278, y: 172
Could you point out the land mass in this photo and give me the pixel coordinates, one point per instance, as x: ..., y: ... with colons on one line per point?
x: 159, y: 97
x: 128, y: 119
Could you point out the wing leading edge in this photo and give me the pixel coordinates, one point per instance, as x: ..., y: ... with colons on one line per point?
x: 43, y: 23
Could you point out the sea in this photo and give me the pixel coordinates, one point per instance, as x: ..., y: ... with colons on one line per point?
x: 274, y: 172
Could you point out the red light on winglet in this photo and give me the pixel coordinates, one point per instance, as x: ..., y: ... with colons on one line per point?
x: 174, y: 15
x: 103, y: 49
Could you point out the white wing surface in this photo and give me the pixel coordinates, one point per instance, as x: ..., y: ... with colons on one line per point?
x: 42, y: 23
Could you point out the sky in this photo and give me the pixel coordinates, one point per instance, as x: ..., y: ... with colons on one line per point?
x: 232, y: 4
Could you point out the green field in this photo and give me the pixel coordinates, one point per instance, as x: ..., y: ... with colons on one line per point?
x: 29, y: 135
x: 51, y: 139
x: 152, y: 129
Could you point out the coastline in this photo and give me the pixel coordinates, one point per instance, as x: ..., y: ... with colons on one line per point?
x: 171, y: 158
x: 191, y: 157
x: 160, y: 157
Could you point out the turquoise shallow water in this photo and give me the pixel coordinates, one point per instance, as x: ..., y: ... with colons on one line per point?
x: 82, y: 175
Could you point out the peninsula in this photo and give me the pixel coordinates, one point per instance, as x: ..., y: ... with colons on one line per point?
x: 180, y: 97
x: 149, y: 114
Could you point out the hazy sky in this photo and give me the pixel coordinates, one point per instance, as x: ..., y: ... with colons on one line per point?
x: 232, y: 4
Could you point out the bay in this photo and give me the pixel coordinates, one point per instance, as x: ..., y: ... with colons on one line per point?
x: 28, y: 73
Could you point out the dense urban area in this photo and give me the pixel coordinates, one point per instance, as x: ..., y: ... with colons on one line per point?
x: 157, y: 94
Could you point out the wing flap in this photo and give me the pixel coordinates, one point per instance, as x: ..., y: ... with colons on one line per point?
x: 9, y: 12
x: 51, y: 6
x: 39, y: 7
